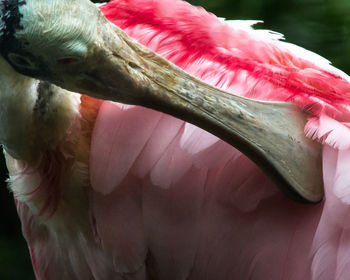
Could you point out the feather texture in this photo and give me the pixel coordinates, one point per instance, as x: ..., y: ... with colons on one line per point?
x: 223, y: 183
x: 167, y: 200
x: 237, y: 58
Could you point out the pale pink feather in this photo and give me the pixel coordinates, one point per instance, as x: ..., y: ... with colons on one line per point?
x: 118, y: 144
x: 170, y: 201
x: 244, y: 62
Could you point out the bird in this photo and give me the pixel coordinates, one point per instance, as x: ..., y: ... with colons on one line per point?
x: 106, y: 190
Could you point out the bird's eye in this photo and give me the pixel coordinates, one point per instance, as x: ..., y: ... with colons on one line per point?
x: 21, y: 61
x: 67, y: 60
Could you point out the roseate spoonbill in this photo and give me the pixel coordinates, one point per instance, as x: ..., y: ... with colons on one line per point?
x: 110, y: 191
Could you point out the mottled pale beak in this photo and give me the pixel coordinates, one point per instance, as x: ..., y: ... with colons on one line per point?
x: 117, y: 68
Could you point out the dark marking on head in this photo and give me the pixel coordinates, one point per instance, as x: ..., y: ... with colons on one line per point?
x: 17, y: 49
x: 10, y: 20
x: 45, y: 94
x: 13, y: 49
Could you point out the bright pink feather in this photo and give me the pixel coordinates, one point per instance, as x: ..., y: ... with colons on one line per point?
x: 170, y: 201
x: 237, y: 58
x: 254, y: 64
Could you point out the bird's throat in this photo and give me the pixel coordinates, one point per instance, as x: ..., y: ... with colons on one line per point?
x: 17, y: 100
x: 34, y: 115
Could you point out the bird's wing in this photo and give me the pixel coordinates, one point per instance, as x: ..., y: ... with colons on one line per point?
x: 184, y: 210
x: 171, y: 200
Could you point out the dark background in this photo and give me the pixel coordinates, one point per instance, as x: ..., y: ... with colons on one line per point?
x: 322, y: 26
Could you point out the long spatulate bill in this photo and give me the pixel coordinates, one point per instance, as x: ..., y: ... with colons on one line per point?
x: 71, y: 44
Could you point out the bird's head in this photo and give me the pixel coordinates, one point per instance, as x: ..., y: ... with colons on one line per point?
x: 42, y: 38
x: 71, y: 44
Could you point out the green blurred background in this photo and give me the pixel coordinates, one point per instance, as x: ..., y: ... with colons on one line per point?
x: 322, y: 26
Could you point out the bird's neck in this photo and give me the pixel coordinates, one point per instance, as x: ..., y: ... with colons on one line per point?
x: 18, y: 97
x: 35, y: 116
x: 41, y: 130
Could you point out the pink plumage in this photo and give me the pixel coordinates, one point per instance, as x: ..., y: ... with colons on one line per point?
x: 234, y: 57
x: 167, y: 200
